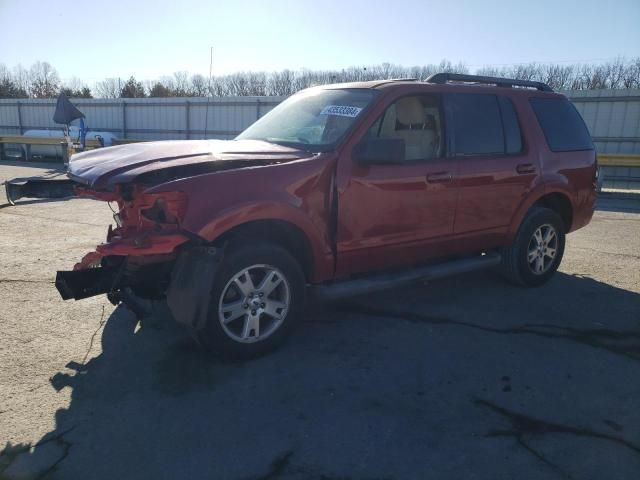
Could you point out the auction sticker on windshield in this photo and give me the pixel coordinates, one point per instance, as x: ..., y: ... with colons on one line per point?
x: 341, y: 110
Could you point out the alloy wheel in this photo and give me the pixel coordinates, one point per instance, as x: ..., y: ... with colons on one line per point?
x: 254, y: 303
x: 542, y: 249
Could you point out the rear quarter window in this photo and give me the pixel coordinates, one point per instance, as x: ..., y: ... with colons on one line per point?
x: 562, y: 125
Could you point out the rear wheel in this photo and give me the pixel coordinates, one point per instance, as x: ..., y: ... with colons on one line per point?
x: 256, y: 298
x: 537, y: 249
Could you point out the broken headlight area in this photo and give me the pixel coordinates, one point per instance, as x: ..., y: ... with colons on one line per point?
x: 145, y: 223
x: 138, y: 210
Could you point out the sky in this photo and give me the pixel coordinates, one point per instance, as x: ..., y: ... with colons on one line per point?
x: 93, y: 40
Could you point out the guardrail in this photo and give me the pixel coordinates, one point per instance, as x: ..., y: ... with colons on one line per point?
x: 619, y: 172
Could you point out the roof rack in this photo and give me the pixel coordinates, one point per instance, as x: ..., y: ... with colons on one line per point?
x: 443, y: 78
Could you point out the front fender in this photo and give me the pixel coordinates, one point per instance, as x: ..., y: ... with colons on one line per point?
x: 298, y: 193
x: 315, y: 232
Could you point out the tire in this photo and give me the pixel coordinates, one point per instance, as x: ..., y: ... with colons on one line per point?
x: 263, y: 323
x: 516, y: 265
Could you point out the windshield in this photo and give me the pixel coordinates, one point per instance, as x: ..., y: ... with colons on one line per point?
x: 315, y: 119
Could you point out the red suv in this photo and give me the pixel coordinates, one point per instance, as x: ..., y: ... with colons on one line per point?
x: 341, y: 189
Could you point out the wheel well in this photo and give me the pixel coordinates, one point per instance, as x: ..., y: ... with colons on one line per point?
x: 278, y: 232
x: 560, y: 204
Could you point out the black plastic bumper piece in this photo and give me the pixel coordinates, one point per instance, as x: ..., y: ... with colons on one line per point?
x: 188, y: 295
x: 79, y: 284
x: 35, y: 187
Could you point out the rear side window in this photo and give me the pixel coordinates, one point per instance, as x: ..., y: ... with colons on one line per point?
x: 562, y: 125
x: 477, y: 124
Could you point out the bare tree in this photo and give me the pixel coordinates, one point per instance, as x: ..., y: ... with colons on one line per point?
x: 21, y: 78
x: 181, y: 85
x: 558, y: 77
x: 74, y: 87
x: 108, y: 88
x: 42, y: 80
x: 490, y: 72
x: 614, y: 72
x: 631, y: 76
x: 281, y: 83
x: 199, y: 86
x: 45, y: 82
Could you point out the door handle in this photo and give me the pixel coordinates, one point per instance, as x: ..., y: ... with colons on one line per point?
x: 439, y: 177
x: 525, y: 168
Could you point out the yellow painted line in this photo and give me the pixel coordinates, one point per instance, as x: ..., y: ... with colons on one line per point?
x: 617, y: 160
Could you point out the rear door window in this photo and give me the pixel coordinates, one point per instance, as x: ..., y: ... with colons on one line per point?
x: 477, y: 124
x: 562, y: 125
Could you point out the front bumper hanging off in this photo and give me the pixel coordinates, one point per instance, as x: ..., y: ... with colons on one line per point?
x: 79, y: 284
x: 118, y: 264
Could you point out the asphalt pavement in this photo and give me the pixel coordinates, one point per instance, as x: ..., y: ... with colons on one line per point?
x: 467, y: 377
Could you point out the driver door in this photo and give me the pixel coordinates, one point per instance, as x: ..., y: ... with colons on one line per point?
x: 399, y: 213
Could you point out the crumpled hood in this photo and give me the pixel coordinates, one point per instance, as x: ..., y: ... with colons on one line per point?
x: 105, y: 167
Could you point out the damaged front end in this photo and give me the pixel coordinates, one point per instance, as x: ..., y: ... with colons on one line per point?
x: 153, y: 232
x: 138, y: 253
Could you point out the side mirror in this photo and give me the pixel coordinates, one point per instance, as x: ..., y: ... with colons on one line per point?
x: 379, y: 151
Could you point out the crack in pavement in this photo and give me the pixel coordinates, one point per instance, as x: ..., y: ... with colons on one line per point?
x: 623, y: 342
x: 278, y: 466
x: 522, y: 425
x: 543, y: 459
x: 100, y: 325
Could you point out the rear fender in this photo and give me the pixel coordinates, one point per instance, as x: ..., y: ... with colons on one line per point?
x: 531, y: 199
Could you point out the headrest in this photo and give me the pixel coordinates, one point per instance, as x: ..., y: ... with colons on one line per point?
x: 410, y: 111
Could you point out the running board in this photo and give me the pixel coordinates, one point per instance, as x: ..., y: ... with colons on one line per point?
x: 383, y: 281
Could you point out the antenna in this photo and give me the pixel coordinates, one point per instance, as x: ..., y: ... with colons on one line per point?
x: 206, y: 112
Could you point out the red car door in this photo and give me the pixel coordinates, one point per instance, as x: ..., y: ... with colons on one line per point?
x: 395, y: 214
x: 496, y: 169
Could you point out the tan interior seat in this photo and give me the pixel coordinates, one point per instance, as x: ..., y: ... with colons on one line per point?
x: 411, y: 125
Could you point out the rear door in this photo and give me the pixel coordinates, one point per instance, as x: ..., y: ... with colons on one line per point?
x: 496, y: 169
x: 399, y: 213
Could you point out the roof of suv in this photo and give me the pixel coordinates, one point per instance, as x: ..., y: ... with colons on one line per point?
x: 452, y: 81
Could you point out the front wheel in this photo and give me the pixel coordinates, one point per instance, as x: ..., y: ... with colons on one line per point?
x: 537, y: 249
x: 256, y: 298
